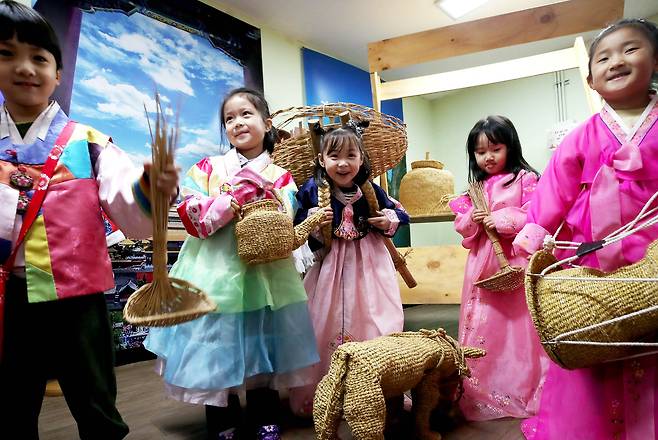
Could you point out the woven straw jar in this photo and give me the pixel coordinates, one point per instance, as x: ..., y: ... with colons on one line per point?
x: 422, y: 189
x: 265, y: 233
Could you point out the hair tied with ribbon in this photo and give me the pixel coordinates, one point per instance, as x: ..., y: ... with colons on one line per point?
x: 357, y: 127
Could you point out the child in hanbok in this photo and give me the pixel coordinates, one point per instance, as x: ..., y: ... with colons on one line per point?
x: 260, y: 339
x: 598, y: 180
x: 507, y: 381
x: 57, y: 176
x: 353, y: 289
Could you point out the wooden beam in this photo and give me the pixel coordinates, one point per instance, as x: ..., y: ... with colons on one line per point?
x: 594, y: 102
x: 564, y: 18
x: 480, y: 75
x: 375, y: 85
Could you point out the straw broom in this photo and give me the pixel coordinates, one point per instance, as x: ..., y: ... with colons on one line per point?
x: 508, y: 277
x: 165, y: 301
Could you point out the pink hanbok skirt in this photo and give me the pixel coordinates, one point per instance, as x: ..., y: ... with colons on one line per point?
x: 353, y: 295
x: 508, y: 381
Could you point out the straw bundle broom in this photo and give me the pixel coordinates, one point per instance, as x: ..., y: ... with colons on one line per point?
x: 508, y: 278
x: 165, y: 301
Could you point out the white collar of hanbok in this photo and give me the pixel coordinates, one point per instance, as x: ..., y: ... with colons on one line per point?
x: 233, y: 163
x: 38, y: 129
x: 629, y: 132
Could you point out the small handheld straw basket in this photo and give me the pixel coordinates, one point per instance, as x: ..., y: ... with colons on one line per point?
x: 265, y: 232
x: 165, y: 301
x: 585, y: 316
x: 508, y: 278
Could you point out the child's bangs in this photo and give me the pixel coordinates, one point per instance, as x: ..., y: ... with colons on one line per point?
x: 32, y: 30
x: 336, y: 142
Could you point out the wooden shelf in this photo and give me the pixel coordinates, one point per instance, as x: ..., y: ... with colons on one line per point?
x: 433, y: 218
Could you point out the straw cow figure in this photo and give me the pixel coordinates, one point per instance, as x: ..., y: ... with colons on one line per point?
x: 363, y: 374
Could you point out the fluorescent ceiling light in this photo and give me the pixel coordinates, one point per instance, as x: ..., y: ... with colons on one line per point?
x: 457, y: 8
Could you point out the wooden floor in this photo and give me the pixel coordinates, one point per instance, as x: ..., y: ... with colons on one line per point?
x: 151, y: 416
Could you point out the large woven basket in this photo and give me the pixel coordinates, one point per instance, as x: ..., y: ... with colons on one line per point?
x: 574, y: 299
x: 385, y: 139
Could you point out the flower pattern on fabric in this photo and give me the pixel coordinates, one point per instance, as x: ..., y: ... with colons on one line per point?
x: 347, y: 230
x: 269, y: 432
x: 341, y: 338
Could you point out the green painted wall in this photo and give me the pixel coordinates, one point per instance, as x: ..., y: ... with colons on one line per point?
x: 441, y: 126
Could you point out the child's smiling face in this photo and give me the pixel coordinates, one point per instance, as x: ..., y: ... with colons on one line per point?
x: 343, y: 164
x: 28, y: 78
x: 245, y: 126
x: 622, y: 66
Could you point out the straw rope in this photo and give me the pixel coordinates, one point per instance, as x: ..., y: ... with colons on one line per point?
x: 324, y: 201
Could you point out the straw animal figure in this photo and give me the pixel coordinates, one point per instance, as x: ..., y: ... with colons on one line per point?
x: 165, y: 301
x: 508, y: 278
x: 363, y: 374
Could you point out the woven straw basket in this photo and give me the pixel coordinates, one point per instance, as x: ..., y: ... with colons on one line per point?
x: 385, y: 139
x: 171, y: 303
x: 582, y: 297
x: 264, y: 233
x: 423, y: 190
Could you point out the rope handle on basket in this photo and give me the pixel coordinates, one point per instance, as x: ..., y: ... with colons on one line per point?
x: 644, y: 219
x: 239, y: 209
x: 324, y: 200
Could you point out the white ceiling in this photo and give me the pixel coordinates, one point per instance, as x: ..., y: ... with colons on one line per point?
x: 343, y: 28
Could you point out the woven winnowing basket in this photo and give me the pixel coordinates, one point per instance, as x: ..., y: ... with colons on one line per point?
x: 265, y: 233
x: 172, y: 308
x: 365, y: 373
x: 385, y: 139
x: 560, y: 306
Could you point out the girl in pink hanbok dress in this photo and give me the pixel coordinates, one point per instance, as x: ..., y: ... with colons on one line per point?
x: 599, y: 179
x: 507, y: 381
x: 352, y: 290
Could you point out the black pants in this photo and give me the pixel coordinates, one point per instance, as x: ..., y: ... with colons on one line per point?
x: 70, y: 340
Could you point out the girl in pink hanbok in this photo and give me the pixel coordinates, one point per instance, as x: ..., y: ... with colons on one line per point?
x: 599, y: 178
x: 507, y: 382
x: 353, y: 289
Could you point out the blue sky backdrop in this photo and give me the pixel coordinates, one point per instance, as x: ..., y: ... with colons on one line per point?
x: 123, y: 59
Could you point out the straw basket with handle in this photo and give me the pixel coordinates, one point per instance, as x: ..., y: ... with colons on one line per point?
x: 165, y: 301
x: 265, y: 233
x: 585, y: 316
x: 508, y: 278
